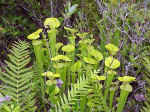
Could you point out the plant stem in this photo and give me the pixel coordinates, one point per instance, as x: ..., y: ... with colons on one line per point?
x: 126, y: 88
x: 52, y: 41
x: 108, y: 83
x: 37, y: 45
x: 112, y: 93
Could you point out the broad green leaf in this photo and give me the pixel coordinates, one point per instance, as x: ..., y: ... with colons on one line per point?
x: 60, y: 57
x: 53, y: 23
x: 126, y: 79
x: 59, y: 65
x: 48, y: 74
x: 112, y: 62
x: 101, y: 78
x: 52, y: 32
x: 36, y: 42
x: 68, y: 48
x: 58, y: 45
x: 95, y: 53
x: 32, y: 36
x: 57, y: 90
x: 50, y: 82
x: 76, y: 66
x: 126, y: 87
x: 35, y: 35
x: 112, y: 48
x: 56, y: 75
x: 38, y: 31
x: 71, y: 30
x: 111, y: 72
x: 86, y: 41
x: 90, y: 60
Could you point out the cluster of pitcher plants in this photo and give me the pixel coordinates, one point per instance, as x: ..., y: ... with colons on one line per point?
x: 60, y: 66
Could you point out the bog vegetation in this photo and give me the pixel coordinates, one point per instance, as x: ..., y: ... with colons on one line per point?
x: 75, y: 56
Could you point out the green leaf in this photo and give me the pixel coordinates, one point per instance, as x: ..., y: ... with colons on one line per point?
x: 57, y: 90
x: 71, y: 30
x: 35, y: 35
x: 76, y: 66
x: 18, y: 77
x: 74, y: 95
x: 86, y: 41
x: 111, y: 62
x: 36, y: 42
x: 59, y: 65
x: 126, y: 87
x: 60, y: 57
x: 56, y: 75
x: 50, y: 82
x: 90, y: 60
x: 68, y: 48
x: 112, y: 49
x: 53, y: 23
x: 97, y: 55
x: 48, y: 74
x: 126, y: 79
x: 58, y: 45
x: 111, y: 72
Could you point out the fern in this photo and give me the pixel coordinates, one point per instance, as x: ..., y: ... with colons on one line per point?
x: 84, y: 96
x: 17, y: 79
x: 74, y: 95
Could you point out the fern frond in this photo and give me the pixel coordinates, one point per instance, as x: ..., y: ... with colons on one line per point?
x: 18, y: 76
x: 69, y: 101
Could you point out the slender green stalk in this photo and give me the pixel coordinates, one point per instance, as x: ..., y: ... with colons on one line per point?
x: 83, y: 50
x: 63, y: 73
x: 46, y: 43
x: 73, y: 77
x: 72, y: 56
x: 111, y: 98
x: 104, y: 102
x: 126, y: 88
x: 108, y: 82
x: 52, y: 41
x: 122, y: 100
x: 37, y: 45
x: 83, y: 104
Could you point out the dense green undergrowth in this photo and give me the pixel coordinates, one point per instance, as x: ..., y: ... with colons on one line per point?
x: 94, y: 64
